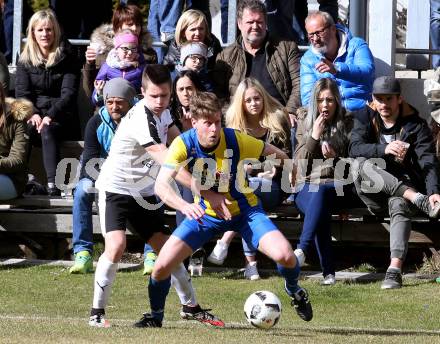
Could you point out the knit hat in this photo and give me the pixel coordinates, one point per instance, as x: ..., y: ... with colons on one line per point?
x: 119, y: 87
x: 125, y: 37
x: 196, y: 48
x: 386, y: 85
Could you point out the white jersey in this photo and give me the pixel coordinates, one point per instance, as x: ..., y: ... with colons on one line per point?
x: 128, y: 168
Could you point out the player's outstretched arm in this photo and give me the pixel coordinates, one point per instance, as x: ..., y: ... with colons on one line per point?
x: 166, y: 192
x: 272, y: 150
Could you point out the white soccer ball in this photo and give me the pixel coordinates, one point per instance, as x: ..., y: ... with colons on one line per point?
x: 262, y: 309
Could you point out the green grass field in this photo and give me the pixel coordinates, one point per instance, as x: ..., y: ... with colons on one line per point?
x: 47, y: 305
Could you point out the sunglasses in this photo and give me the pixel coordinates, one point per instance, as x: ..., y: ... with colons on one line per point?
x: 319, y: 33
x: 196, y: 58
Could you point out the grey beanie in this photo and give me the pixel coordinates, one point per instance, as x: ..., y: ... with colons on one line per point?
x: 196, y: 48
x: 119, y: 87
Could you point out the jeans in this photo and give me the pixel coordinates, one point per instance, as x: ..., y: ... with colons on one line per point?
x: 8, y: 25
x: 7, y: 188
x: 224, y: 6
x: 435, y: 31
x: 163, y: 17
x: 82, y: 216
x: 270, y: 194
x: 389, y: 197
x: 286, y: 18
x: 317, y: 202
x: 147, y: 249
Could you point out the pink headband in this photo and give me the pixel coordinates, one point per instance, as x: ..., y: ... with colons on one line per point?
x: 125, y: 38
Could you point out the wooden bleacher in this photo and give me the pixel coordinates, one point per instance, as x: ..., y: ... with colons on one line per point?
x: 33, y: 217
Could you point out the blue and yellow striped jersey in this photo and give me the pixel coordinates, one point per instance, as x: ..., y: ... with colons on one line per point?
x: 221, y: 169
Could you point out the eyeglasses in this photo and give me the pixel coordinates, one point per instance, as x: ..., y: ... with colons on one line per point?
x: 319, y: 33
x: 327, y: 99
x: 127, y: 49
x: 196, y: 58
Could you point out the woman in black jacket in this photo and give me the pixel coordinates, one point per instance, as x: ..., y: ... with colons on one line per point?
x: 47, y: 75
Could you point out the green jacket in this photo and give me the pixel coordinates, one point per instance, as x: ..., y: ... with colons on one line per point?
x: 14, y: 142
x: 282, y: 64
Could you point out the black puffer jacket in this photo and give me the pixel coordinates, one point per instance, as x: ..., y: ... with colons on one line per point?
x: 172, y: 58
x: 52, y: 90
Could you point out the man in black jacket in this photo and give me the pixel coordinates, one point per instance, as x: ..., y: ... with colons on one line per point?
x: 392, y: 130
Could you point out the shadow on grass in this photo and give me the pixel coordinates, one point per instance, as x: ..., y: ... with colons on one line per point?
x: 22, y: 264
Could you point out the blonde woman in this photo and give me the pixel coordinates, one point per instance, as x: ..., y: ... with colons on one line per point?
x: 192, y: 27
x: 254, y: 112
x: 47, y: 75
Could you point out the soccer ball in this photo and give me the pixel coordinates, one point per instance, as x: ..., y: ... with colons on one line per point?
x: 262, y: 309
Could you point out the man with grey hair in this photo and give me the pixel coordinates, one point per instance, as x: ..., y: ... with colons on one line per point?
x: 118, y: 98
x: 273, y: 62
x: 334, y: 53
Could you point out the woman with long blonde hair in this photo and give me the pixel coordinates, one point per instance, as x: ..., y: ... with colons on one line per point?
x: 254, y: 112
x: 47, y: 75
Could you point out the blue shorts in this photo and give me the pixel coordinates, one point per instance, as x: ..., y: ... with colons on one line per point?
x: 252, y: 224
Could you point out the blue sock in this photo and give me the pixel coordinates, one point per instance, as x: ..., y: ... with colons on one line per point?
x: 158, y: 291
x: 291, y: 276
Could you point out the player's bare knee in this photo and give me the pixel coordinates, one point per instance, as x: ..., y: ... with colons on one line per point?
x: 160, y: 271
x: 284, y: 257
x: 115, y: 251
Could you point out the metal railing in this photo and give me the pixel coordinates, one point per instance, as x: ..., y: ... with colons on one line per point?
x: 357, y: 21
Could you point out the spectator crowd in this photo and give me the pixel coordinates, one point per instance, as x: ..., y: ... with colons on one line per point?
x: 259, y: 98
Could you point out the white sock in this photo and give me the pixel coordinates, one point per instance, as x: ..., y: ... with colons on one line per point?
x: 181, y: 281
x: 104, y: 276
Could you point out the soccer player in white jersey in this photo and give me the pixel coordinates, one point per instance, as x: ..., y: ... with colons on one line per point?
x: 126, y: 195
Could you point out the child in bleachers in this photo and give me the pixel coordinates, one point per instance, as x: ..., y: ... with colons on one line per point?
x: 194, y: 56
x: 123, y: 61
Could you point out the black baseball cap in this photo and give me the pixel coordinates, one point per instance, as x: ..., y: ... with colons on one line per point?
x: 386, y: 85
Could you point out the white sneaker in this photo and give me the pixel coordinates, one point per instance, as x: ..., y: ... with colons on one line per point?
x: 300, y: 256
x: 251, y: 271
x: 219, y: 253
x: 195, y: 265
x: 329, y: 280
x: 98, y: 320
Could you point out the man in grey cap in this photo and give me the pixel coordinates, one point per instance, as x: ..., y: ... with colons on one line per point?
x: 118, y: 97
x: 392, y: 130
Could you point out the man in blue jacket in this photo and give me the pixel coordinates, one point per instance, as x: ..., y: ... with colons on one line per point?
x: 335, y: 53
